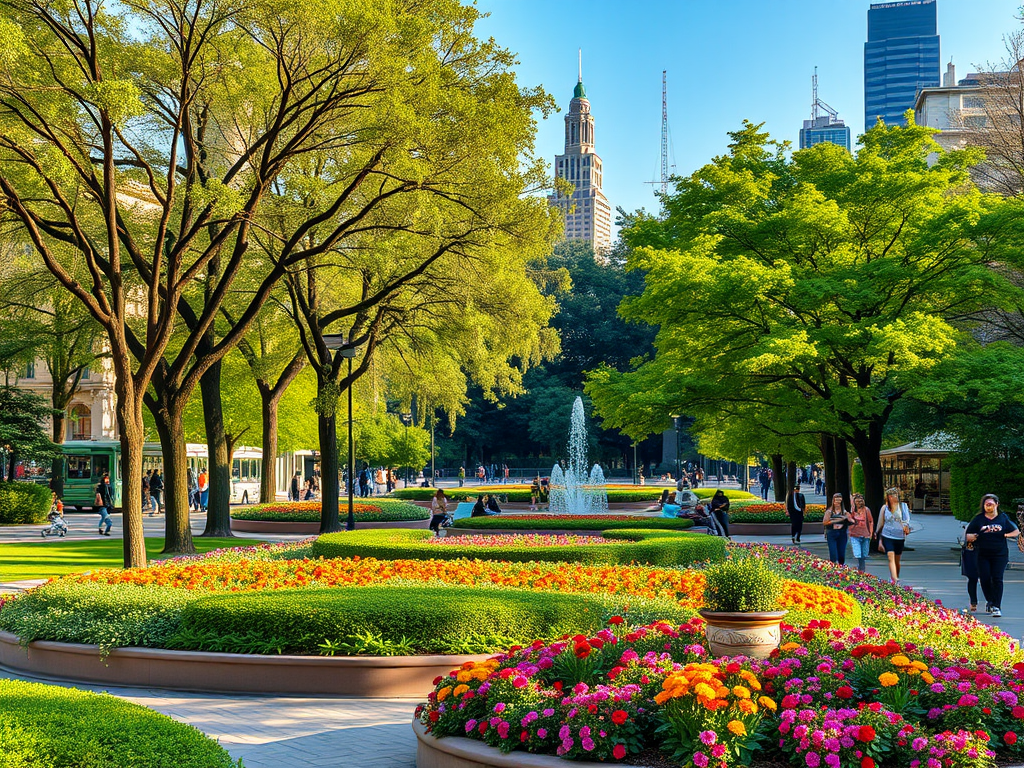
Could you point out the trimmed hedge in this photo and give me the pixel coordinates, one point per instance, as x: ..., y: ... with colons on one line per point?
x: 47, y: 726
x: 417, y: 619
x: 624, y: 546
x: 378, y: 511
x: 23, y: 503
x: 970, y: 479
x: 773, y: 513
x: 519, y: 493
x: 543, y: 522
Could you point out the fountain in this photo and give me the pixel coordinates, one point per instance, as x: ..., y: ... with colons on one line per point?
x: 573, y: 491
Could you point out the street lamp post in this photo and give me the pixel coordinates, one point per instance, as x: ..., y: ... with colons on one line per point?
x: 337, y: 341
x: 406, y: 420
x: 679, y: 474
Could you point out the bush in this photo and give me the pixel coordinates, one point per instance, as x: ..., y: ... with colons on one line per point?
x: 46, y: 725
x: 969, y: 480
x: 380, y: 511
x: 396, y: 618
x: 773, y: 513
x: 733, y: 494
x: 624, y: 547
x: 521, y: 493
x: 23, y: 503
x: 568, y: 523
x: 746, y: 585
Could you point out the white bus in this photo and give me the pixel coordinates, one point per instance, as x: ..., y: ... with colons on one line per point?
x: 246, y: 466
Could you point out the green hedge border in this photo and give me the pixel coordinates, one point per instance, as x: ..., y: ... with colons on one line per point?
x: 625, y: 546
x: 567, y: 523
x: 48, y: 725
x: 391, y: 511
x: 615, y: 495
x: 23, y: 503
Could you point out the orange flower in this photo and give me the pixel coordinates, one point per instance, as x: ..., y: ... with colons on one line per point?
x: 737, y: 727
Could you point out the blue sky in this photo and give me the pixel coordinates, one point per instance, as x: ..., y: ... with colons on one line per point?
x: 726, y: 59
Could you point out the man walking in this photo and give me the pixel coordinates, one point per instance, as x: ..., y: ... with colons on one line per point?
x: 766, y: 480
x: 795, y: 506
x: 156, y: 492
x: 105, y: 504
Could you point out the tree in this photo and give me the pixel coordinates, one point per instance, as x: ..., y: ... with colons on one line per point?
x: 21, y: 436
x: 384, y: 441
x: 828, y: 286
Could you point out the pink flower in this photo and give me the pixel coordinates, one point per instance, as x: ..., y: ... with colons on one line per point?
x: 708, y: 737
x: 700, y: 760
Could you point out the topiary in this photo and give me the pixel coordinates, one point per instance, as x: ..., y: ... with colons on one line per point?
x: 23, y: 503
x: 742, y: 585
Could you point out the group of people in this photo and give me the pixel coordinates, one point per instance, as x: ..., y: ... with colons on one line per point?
x: 494, y: 473
x: 152, y: 491
x: 714, y: 516
x: 304, y: 490
x: 376, y: 482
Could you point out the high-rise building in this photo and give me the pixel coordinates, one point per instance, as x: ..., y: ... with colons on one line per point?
x: 824, y: 125
x: 901, y: 56
x: 587, y: 214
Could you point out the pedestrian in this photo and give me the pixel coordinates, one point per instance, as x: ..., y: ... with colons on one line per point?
x: 504, y: 474
x: 364, y: 482
x: 147, y: 501
x: 862, y: 531
x: 492, y: 505
x: 480, y: 508
x: 462, y: 476
x: 193, y: 490
x: 988, y: 532
x: 105, y: 504
x: 156, y: 491
x: 307, y: 490
x: 438, y: 511
x: 795, y: 506
x: 204, y: 489
x: 378, y: 482
x: 720, y: 509
x: 766, y: 480
x: 534, y: 493
x: 293, y: 490
x: 895, y: 527
x: 836, y: 522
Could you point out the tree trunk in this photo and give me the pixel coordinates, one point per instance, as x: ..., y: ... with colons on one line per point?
x: 218, y: 511
x: 57, y: 466
x: 779, y: 476
x: 329, y: 518
x: 867, y: 446
x: 268, y: 472
x: 790, y: 476
x: 828, y: 462
x: 842, y: 470
x: 177, y: 527
x: 132, y: 430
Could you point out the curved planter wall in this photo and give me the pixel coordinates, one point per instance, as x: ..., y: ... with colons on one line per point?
x: 373, y: 677
x: 456, y: 752
x: 311, y: 529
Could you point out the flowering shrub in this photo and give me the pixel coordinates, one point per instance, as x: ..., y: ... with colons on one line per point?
x: 518, y: 540
x: 571, y: 522
x: 774, y: 512
x: 818, y: 701
x: 381, y: 511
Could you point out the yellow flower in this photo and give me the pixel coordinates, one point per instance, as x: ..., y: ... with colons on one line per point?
x: 888, y: 679
x: 767, y: 703
x: 459, y: 690
x: 443, y: 693
x: 927, y: 678
x: 464, y: 676
x: 919, y: 665
x: 704, y: 691
x: 736, y: 727
x: 747, y: 707
x: 740, y: 692
x: 899, y: 661
x: 790, y: 647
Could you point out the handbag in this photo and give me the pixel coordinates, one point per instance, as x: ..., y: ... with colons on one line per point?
x: 99, y: 499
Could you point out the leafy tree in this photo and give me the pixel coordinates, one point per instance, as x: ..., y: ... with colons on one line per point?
x: 827, y: 286
x: 385, y: 441
x: 21, y: 436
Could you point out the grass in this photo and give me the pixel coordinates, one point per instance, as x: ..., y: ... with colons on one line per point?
x: 56, y: 557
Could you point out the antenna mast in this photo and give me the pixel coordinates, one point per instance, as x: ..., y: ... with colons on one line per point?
x: 817, y: 104
x: 664, y: 132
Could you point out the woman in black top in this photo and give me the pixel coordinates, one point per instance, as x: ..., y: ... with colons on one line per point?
x: 988, y: 532
x: 492, y: 505
x: 720, y: 509
x: 479, y: 509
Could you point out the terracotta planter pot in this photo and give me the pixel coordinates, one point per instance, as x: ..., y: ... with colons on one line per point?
x: 743, y: 634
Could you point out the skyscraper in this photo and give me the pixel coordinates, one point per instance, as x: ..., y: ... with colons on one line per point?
x: 900, y: 57
x: 587, y: 214
x: 823, y: 128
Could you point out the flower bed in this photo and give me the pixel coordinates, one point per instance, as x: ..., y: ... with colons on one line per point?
x: 37, y: 730
x: 655, y: 547
x: 772, y: 513
x: 570, y: 523
x: 517, y: 540
x: 517, y: 493
x: 825, y: 698
x: 381, y: 511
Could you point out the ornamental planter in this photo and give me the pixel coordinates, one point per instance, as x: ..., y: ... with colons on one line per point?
x: 743, y: 634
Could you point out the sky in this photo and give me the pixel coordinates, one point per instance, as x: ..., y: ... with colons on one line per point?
x: 727, y: 60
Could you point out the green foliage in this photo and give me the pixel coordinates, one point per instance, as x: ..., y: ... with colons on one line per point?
x: 745, y: 585
x: 521, y: 493
x: 857, y: 477
x: 567, y: 523
x: 384, y: 441
x: 21, y: 436
x: 112, y: 732
x: 733, y: 494
x: 969, y: 480
x: 814, y: 513
x: 23, y: 503
x: 624, y: 547
x: 391, y: 511
x: 419, y: 619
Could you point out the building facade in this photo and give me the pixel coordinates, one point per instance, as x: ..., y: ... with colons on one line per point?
x: 92, y: 414
x: 901, y: 56
x: 825, y: 129
x: 586, y: 211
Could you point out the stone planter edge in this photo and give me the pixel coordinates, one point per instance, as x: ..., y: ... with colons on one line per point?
x: 364, y: 676
x: 311, y: 529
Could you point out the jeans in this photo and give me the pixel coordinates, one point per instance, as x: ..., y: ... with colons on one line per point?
x: 105, y: 519
x: 837, y: 545
x: 990, y: 573
x: 723, y: 521
x: 861, y: 547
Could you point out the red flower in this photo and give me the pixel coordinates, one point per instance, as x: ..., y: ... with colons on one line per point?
x: 438, y: 679
x: 619, y: 716
x: 524, y: 735
x: 618, y: 752
x: 582, y: 650
x: 597, y: 642
x: 433, y: 716
x: 615, y: 620
x: 1009, y: 738
x: 807, y: 635
x: 1018, y: 712
x: 845, y: 692
x: 866, y: 733
x: 867, y: 762
x: 482, y: 727
x: 733, y: 667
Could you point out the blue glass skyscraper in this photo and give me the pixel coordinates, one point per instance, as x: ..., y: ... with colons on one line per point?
x: 900, y: 56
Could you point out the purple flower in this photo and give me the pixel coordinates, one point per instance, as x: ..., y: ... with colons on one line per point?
x: 813, y: 759
x: 499, y: 707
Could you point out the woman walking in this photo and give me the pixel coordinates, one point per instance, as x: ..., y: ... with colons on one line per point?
x: 895, y: 527
x: 988, y: 532
x: 438, y: 511
x: 862, y: 530
x: 836, y: 523
x: 720, y: 509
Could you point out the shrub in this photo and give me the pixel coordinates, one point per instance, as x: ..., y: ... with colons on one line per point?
x: 411, y: 619
x: 733, y: 494
x: 623, y: 547
x: 380, y: 511
x: 521, y: 493
x: 569, y: 523
x: 774, y: 512
x: 46, y: 725
x: 970, y: 479
x: 742, y: 585
x: 23, y: 503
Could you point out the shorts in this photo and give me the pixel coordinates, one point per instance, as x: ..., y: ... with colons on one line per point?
x: 893, y: 545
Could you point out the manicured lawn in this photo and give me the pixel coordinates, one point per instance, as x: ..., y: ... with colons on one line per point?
x: 40, y: 560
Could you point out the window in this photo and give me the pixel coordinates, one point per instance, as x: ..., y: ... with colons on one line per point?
x: 78, y: 467
x: 30, y: 369
x: 85, y: 373
x: 79, y: 422
x: 974, y: 102
x: 100, y: 466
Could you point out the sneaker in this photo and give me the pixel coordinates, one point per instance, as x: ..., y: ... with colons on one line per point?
x: 988, y: 607
x: 100, y: 531
x: 996, y: 613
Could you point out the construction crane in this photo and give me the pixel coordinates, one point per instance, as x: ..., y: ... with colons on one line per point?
x: 817, y: 103
x: 664, y: 132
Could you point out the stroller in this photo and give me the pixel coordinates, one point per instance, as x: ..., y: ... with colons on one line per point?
x: 57, y: 525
